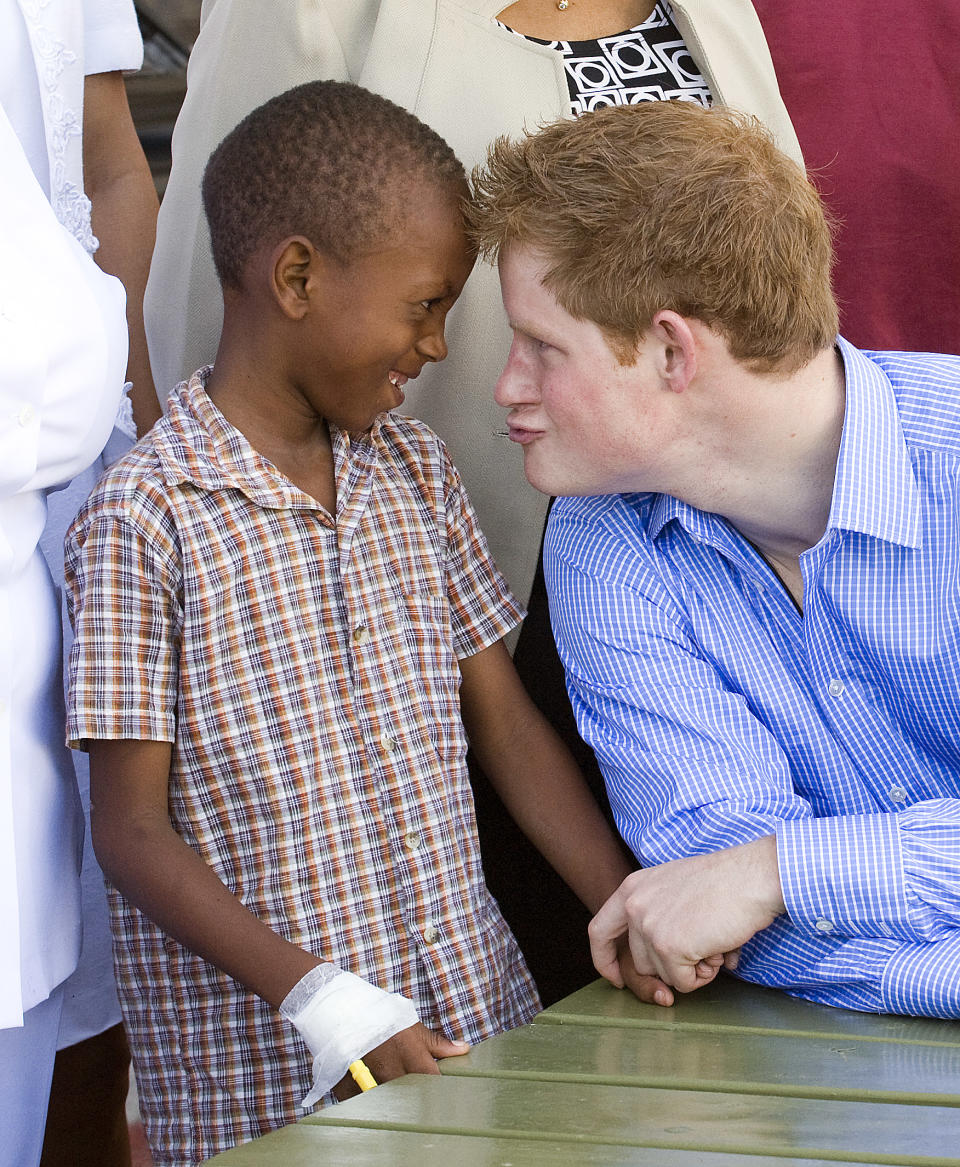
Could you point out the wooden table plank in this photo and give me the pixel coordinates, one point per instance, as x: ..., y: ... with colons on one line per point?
x: 743, y: 1124
x: 307, y: 1145
x: 868, y: 1071
x: 732, y: 1005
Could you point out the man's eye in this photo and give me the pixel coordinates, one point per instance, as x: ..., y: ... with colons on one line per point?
x: 428, y: 304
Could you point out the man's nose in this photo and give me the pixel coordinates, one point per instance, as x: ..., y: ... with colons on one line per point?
x: 514, y: 385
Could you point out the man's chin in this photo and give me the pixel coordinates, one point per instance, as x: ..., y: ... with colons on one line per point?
x: 551, y: 480
x: 539, y: 479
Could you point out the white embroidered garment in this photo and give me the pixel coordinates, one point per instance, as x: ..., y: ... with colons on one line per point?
x: 62, y: 355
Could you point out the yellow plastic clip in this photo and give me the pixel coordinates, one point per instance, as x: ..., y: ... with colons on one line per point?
x: 362, y: 1076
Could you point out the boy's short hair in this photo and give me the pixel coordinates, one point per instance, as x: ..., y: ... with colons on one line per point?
x: 667, y: 205
x: 327, y: 160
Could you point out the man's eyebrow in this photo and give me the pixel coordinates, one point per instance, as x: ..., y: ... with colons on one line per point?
x: 545, y: 335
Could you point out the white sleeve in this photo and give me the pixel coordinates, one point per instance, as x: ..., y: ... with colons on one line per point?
x: 63, y: 344
x: 111, y: 37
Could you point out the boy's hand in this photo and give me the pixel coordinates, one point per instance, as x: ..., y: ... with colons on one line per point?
x: 411, y: 1051
x: 649, y: 989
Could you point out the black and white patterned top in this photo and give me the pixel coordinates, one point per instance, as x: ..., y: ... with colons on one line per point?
x: 649, y: 62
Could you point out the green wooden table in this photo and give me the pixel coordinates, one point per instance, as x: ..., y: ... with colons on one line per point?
x: 731, y: 1076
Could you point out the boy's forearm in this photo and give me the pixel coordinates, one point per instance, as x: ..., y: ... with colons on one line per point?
x: 538, y: 780
x: 549, y: 800
x: 152, y: 867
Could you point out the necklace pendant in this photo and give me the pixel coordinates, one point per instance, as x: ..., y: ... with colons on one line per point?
x: 563, y: 5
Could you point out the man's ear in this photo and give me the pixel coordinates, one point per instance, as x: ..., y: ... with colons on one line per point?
x: 294, y: 275
x: 677, y: 350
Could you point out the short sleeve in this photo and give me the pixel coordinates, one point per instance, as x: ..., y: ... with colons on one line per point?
x: 112, y: 38
x: 482, y: 607
x: 125, y: 601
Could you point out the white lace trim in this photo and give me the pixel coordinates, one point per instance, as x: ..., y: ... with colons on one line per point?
x: 63, y: 124
x: 124, y: 420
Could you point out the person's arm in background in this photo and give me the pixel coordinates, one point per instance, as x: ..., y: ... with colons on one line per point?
x: 124, y: 203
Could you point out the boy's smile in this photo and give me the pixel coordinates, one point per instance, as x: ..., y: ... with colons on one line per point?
x: 378, y: 319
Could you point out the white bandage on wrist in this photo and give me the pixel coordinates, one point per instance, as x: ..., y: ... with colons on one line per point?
x: 341, y: 1017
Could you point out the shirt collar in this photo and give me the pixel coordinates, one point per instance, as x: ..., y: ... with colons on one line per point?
x: 875, y: 491
x: 198, y: 445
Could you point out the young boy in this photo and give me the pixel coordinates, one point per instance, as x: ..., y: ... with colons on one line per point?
x: 283, y: 606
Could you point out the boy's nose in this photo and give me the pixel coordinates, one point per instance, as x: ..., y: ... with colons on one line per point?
x: 433, y: 345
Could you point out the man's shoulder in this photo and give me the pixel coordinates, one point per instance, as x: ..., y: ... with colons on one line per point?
x: 927, y: 390
x: 596, y: 533
x: 613, y: 516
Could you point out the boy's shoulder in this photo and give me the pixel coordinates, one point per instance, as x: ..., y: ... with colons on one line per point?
x: 412, y: 447
x: 137, y: 483
x: 398, y: 429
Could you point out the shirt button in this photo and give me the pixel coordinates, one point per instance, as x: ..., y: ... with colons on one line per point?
x: 412, y: 840
x: 823, y: 925
x: 387, y: 743
x: 430, y: 933
x: 361, y: 634
x: 898, y: 794
x: 835, y: 688
x: 25, y: 416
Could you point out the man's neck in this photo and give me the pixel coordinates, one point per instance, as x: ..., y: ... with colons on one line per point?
x: 770, y: 467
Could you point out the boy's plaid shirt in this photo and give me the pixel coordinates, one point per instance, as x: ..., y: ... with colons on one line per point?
x: 307, y: 675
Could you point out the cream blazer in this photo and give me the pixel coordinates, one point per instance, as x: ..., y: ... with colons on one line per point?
x: 448, y: 62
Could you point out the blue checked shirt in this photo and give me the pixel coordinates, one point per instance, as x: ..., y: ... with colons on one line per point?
x: 719, y: 714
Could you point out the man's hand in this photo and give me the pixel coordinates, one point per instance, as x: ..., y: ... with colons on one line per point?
x: 685, y: 919
x: 411, y: 1051
x: 650, y: 990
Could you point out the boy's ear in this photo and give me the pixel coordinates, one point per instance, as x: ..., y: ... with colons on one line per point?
x: 295, y: 273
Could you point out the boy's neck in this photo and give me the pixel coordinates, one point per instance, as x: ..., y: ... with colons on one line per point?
x: 247, y: 385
